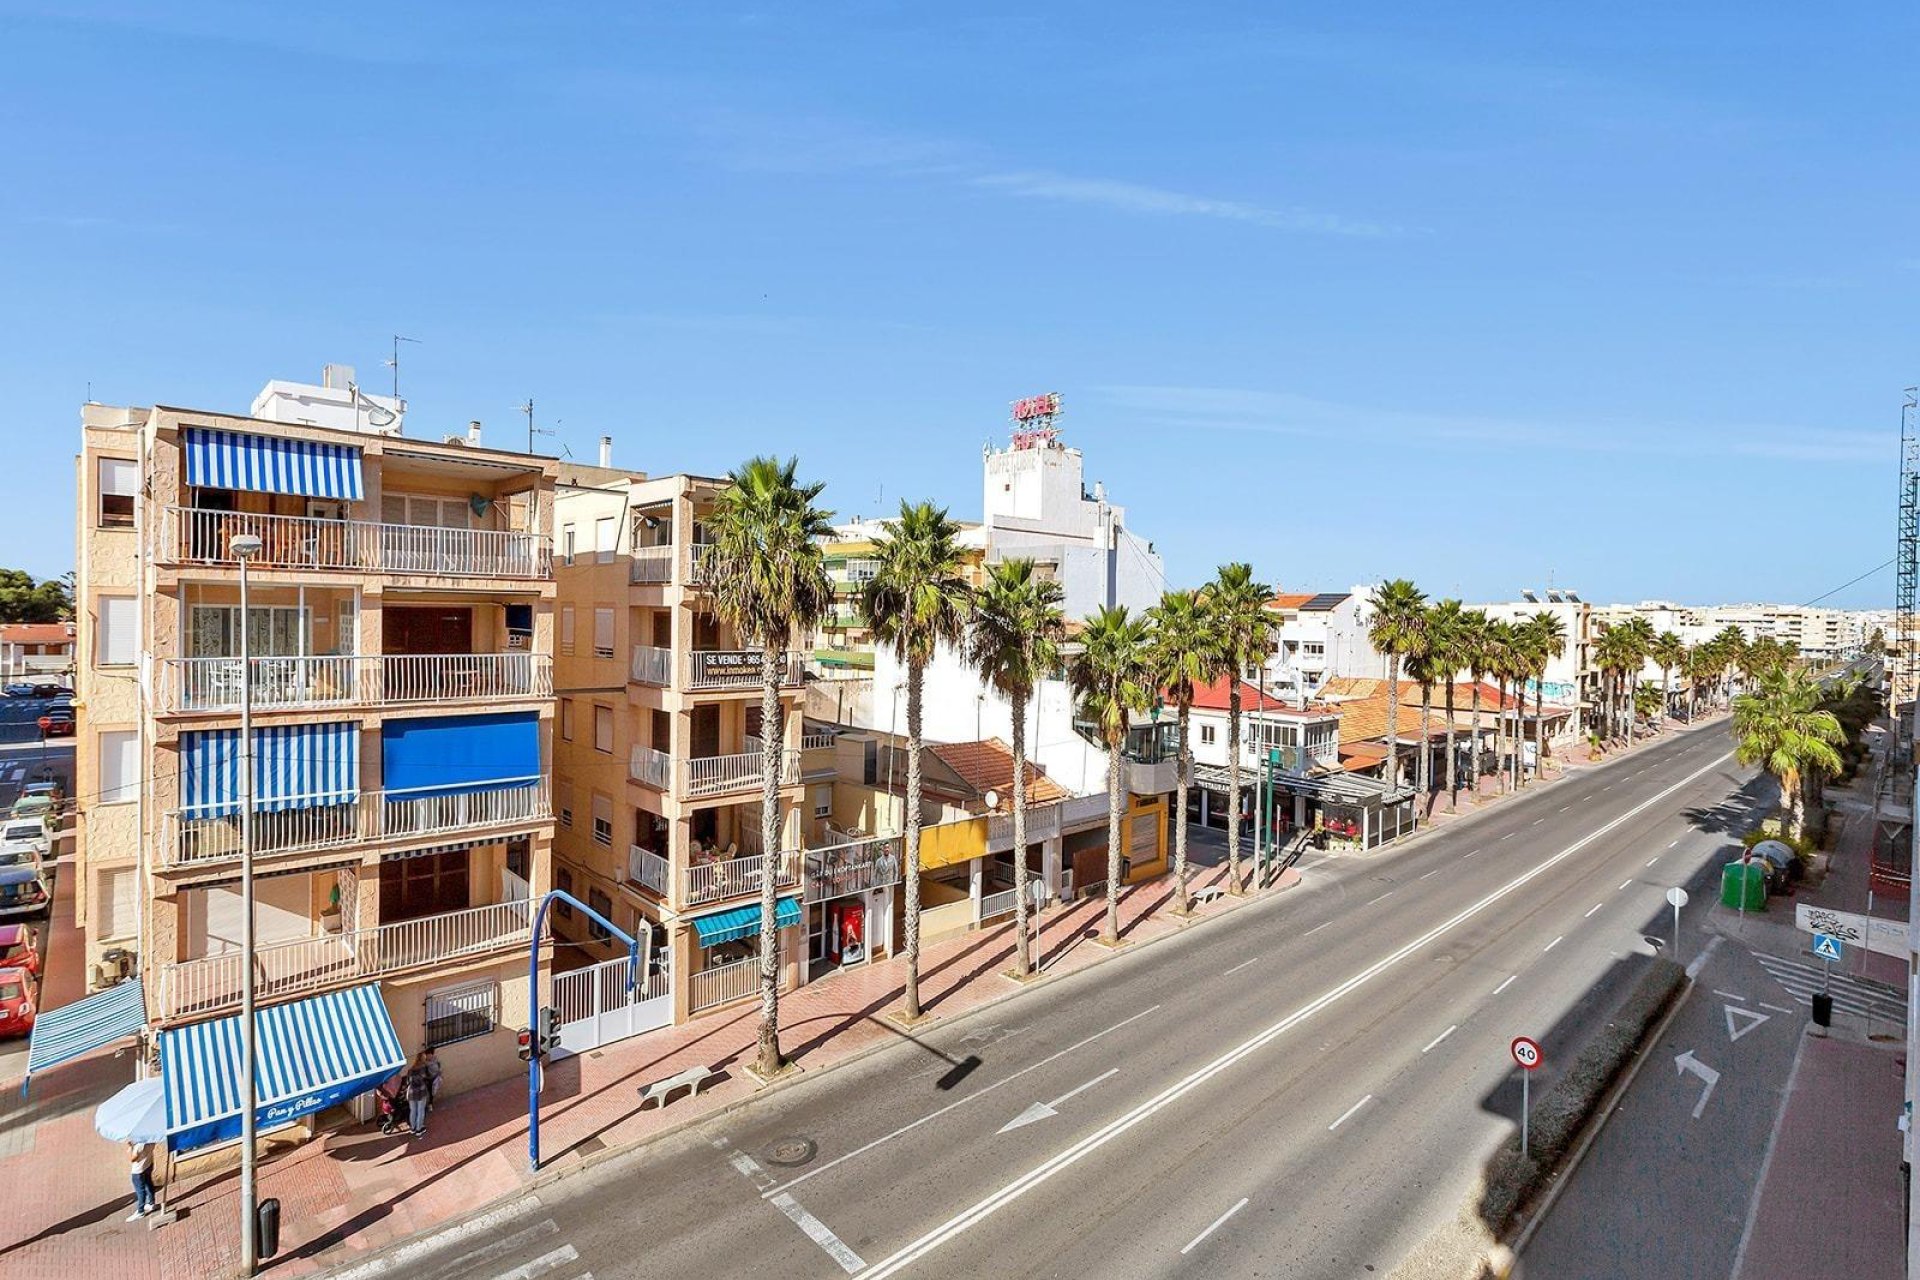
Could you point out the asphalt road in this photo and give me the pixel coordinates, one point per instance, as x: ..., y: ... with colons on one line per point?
x: 1301, y: 1089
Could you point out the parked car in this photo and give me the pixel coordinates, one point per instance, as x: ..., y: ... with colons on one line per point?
x: 20, y: 948
x: 29, y: 806
x: 52, y: 788
x: 23, y: 840
x: 37, y: 689
x: 18, y: 995
x: 57, y: 722
x: 24, y: 892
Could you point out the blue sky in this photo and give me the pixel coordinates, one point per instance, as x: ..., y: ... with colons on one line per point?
x: 1624, y: 296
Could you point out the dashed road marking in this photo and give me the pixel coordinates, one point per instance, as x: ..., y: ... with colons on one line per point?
x: 1503, y: 986
x: 1626, y: 884
x: 1348, y: 1113
x: 1214, y: 1226
x: 1442, y: 1036
x: 1590, y: 910
x: 1243, y: 964
x: 1556, y: 942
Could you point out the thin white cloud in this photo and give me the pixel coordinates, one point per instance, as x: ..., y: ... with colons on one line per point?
x: 1133, y: 197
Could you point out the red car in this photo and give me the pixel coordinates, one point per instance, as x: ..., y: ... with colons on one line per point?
x: 17, y: 995
x: 19, y: 948
x: 57, y: 723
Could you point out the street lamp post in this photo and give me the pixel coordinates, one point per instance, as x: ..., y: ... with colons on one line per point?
x: 244, y: 548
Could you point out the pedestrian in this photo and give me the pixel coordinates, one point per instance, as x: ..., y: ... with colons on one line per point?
x: 433, y: 1077
x: 419, y: 1094
x: 140, y: 1164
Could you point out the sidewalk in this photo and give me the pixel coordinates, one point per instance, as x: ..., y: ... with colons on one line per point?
x: 352, y: 1189
x: 1831, y: 1202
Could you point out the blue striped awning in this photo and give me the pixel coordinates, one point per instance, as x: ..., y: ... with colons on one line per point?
x: 296, y: 766
x: 310, y: 1054
x: 743, y: 922
x: 75, y: 1030
x: 271, y: 464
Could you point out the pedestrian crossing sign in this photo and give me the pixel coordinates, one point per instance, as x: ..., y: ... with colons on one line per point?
x: 1826, y: 946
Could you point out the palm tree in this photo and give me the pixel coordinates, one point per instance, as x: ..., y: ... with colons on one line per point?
x: 1245, y: 628
x: 915, y: 601
x: 1781, y: 727
x: 1638, y: 643
x: 1446, y: 654
x: 1113, y: 678
x: 1549, y: 642
x: 1668, y: 651
x: 1187, y: 652
x: 1612, y: 653
x: 769, y: 583
x: 1473, y: 635
x: 1501, y: 657
x: 1398, y: 609
x: 1730, y: 645
x: 1014, y: 640
x: 1424, y: 659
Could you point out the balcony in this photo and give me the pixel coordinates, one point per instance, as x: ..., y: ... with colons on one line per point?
x: 194, y: 536
x: 651, y: 666
x: 736, y: 669
x: 706, y: 882
x: 1150, y: 777
x: 853, y: 865
x: 1046, y: 821
x: 655, y: 565
x: 648, y: 869
x: 213, y: 685
x: 721, y: 775
x: 329, y: 960
x: 191, y: 841
x: 651, y: 767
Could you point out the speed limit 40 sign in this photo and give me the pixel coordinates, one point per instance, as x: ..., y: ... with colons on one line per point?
x: 1526, y: 1052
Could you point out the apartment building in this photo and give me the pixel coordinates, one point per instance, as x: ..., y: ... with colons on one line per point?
x: 1815, y: 632
x: 399, y: 619
x: 1571, y: 679
x: 1318, y: 635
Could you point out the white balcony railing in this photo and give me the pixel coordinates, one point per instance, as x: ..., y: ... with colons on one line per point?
x: 858, y: 864
x: 723, y: 985
x: 700, y: 564
x: 651, y: 666
x: 190, y: 685
x: 737, y: 669
x: 651, y: 564
x: 816, y: 741
x: 194, y: 536
x: 309, y: 964
x: 190, y: 840
x: 648, y: 869
x: 736, y: 877
x: 1045, y: 821
x: 718, y: 775
x: 651, y: 767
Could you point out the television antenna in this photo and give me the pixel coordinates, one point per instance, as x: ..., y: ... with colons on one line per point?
x: 532, y: 430
x: 394, y: 364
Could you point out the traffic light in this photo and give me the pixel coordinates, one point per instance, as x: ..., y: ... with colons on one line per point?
x: 526, y: 1045
x: 547, y: 1037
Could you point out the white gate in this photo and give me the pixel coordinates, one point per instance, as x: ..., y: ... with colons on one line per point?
x: 596, y: 1007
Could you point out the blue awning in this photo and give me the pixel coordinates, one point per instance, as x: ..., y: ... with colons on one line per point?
x: 75, y: 1030
x: 452, y: 755
x: 299, y: 766
x: 310, y: 1054
x: 271, y: 464
x: 743, y: 922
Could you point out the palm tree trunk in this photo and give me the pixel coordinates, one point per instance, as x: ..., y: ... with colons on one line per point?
x: 1666, y: 693
x: 1500, y: 731
x: 1632, y: 683
x: 1474, y: 778
x: 1539, y: 725
x: 1112, y: 935
x: 1233, y: 782
x: 1453, y: 790
x: 772, y: 743
x: 1393, y: 724
x: 916, y: 676
x: 1426, y: 747
x: 1022, y: 962
x: 1184, y: 765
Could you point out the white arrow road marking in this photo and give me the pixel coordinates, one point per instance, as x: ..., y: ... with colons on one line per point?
x: 1687, y: 1062
x: 1042, y: 1110
x: 1752, y: 1020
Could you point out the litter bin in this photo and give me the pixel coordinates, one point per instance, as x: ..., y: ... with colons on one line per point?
x: 267, y: 1227
x: 1822, y: 1009
x: 1743, y: 886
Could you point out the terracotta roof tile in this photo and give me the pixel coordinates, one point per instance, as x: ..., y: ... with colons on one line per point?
x: 988, y: 766
x: 36, y: 632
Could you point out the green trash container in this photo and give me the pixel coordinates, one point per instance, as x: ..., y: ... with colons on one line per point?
x: 1743, y: 886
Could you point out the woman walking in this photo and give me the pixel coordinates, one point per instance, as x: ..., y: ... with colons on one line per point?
x: 419, y: 1088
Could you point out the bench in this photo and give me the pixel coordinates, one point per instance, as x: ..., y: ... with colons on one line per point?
x: 1207, y: 893
x: 690, y: 1079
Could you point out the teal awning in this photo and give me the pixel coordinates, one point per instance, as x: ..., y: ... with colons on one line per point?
x: 743, y: 922
x: 75, y: 1030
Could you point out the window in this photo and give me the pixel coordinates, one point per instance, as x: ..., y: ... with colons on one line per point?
x: 599, y: 901
x: 603, y: 729
x: 462, y: 1013
x: 563, y: 881
x: 119, y: 766
x: 823, y: 802
x: 603, y: 821
x: 119, y: 481
x: 113, y: 904
x: 566, y: 804
x: 566, y: 544
x: 566, y: 628
x: 603, y: 538
x: 602, y: 632
x: 566, y: 719
x: 1206, y: 735
x: 118, y: 618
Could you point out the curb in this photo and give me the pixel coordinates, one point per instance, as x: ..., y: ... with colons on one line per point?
x: 534, y: 1185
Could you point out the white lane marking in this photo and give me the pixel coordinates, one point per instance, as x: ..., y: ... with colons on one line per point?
x: 1556, y: 942
x: 1423, y: 875
x: 1382, y: 898
x: 1503, y: 986
x: 1674, y: 843
x: 1243, y: 964
x: 1317, y: 928
x: 1626, y: 884
x: 1699, y: 962
x: 541, y: 1265
x: 1565, y: 807
x: 1608, y: 787
x: 1766, y: 1162
x: 1348, y: 1113
x: 1776, y: 1008
x: 1073, y: 1154
x: 961, y: 1102
x: 1469, y: 853
x: 1046, y: 1110
x: 1590, y: 910
x: 1536, y: 822
x: 836, y: 1248
x: 1655, y: 858
x: 1728, y: 995
x: 1507, y: 836
x: 465, y: 1263
x: 1214, y: 1227
x: 1442, y: 1036
x: 479, y: 1224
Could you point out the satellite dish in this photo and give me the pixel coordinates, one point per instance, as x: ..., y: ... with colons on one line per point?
x: 478, y: 503
x: 993, y: 800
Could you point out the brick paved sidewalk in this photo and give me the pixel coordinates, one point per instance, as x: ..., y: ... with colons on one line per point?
x: 353, y: 1189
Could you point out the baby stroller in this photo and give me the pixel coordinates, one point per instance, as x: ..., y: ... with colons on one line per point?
x: 388, y: 1099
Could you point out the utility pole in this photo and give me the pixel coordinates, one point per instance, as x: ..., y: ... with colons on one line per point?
x: 245, y: 547
x: 527, y: 409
